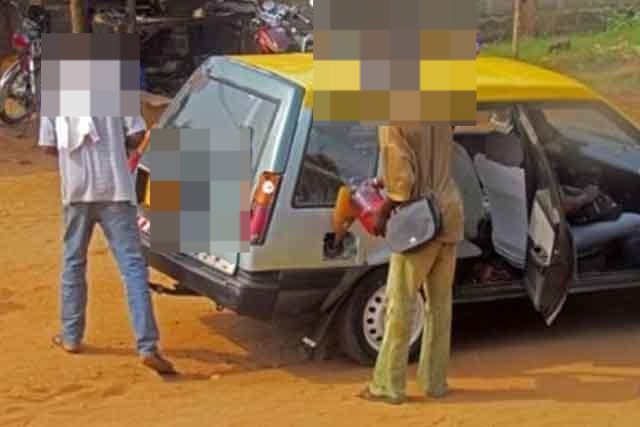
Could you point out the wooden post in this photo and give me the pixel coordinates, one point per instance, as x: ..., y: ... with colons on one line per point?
x: 78, y: 13
x: 7, y: 14
x: 131, y: 16
x: 516, y: 27
x: 528, y: 18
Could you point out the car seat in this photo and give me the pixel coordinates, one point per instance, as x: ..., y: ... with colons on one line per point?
x: 501, y: 172
x: 464, y: 173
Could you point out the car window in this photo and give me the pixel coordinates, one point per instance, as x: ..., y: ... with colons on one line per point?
x: 217, y: 105
x: 585, y: 123
x: 335, y: 153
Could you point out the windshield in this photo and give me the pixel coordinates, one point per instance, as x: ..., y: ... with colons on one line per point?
x: 224, y: 107
x: 588, y: 122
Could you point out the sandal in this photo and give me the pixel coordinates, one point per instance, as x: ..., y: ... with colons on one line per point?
x: 367, y: 395
x: 69, y: 348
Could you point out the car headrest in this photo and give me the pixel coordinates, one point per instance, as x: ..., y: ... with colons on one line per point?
x: 504, y: 149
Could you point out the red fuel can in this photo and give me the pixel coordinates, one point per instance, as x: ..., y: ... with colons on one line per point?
x: 367, y: 201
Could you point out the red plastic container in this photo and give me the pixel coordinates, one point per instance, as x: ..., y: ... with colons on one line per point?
x: 367, y: 200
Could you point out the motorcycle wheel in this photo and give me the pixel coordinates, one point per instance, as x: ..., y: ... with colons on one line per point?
x: 15, y: 102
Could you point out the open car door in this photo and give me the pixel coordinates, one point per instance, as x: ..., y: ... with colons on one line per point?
x: 550, y: 258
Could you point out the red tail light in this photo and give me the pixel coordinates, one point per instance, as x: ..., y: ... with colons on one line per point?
x: 262, y: 206
x: 19, y: 41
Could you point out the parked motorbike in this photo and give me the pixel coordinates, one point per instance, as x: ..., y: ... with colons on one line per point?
x: 271, y: 26
x: 20, y: 83
x: 276, y: 31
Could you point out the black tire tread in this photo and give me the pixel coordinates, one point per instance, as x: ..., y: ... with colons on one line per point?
x: 351, y: 344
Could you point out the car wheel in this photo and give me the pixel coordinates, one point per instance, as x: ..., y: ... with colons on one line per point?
x: 361, y: 323
x: 15, y: 105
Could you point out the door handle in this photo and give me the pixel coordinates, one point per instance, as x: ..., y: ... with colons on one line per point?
x: 539, y: 256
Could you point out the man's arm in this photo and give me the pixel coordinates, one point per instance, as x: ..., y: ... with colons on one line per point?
x: 51, y: 151
x: 572, y: 204
x: 134, y: 140
x: 398, y: 177
x: 135, y: 128
x: 47, y: 140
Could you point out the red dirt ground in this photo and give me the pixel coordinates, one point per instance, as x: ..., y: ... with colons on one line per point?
x: 507, y: 369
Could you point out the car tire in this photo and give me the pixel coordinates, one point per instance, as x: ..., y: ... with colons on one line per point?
x: 352, y: 335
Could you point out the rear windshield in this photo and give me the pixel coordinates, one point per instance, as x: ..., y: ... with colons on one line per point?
x: 218, y: 105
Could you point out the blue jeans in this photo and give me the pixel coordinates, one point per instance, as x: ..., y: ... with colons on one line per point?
x: 119, y: 224
x: 591, y: 235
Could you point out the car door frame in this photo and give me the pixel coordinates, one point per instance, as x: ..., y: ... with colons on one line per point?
x: 548, y: 277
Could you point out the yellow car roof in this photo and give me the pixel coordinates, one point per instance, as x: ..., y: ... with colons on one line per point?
x: 498, y: 79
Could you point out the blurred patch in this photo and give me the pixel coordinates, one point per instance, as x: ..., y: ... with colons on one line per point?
x: 396, y: 62
x: 200, y: 181
x: 90, y: 74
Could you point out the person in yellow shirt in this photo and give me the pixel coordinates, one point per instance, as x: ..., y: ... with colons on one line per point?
x: 416, y: 161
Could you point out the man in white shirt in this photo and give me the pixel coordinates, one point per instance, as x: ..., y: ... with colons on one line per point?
x: 97, y: 187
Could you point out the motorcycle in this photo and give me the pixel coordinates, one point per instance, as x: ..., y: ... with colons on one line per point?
x: 274, y: 31
x: 271, y: 26
x: 20, y: 83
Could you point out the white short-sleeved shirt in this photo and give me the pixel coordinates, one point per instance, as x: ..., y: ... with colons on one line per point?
x: 96, y: 172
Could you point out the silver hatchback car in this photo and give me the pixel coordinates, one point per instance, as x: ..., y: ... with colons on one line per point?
x: 518, y: 241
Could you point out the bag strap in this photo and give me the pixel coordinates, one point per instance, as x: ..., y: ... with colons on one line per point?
x: 432, y: 161
x: 432, y: 151
x: 433, y: 157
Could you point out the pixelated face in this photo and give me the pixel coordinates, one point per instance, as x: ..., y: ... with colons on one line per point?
x: 201, y: 190
x: 90, y: 75
x: 395, y: 61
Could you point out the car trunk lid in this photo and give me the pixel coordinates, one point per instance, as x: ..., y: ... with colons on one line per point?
x: 220, y: 90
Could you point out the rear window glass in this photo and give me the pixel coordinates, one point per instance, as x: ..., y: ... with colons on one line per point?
x: 214, y: 104
x: 335, y: 153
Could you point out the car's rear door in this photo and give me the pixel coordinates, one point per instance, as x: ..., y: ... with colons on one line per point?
x: 550, y: 258
x: 230, y: 100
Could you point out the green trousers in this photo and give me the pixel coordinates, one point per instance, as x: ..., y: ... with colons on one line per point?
x: 431, y: 267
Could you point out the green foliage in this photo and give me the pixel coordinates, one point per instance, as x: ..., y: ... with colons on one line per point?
x: 609, y: 59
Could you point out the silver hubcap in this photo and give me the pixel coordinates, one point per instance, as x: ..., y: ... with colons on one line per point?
x: 373, y: 319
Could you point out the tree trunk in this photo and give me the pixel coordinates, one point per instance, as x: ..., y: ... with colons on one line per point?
x: 516, y: 28
x: 78, y: 12
x: 131, y: 15
x: 7, y: 14
x: 528, y: 17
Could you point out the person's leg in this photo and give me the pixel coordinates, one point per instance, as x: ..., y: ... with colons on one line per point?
x: 118, y: 221
x: 436, y: 338
x: 406, y: 273
x: 598, y: 233
x: 78, y: 225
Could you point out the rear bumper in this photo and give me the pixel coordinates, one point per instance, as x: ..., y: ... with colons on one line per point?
x: 244, y: 295
x: 259, y: 295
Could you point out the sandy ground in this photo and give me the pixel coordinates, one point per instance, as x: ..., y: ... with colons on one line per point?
x: 507, y: 368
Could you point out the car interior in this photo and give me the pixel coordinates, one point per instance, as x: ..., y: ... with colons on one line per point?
x: 496, y: 177
x: 495, y: 182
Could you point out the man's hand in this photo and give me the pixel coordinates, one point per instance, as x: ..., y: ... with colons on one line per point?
x: 134, y: 140
x: 380, y: 221
x: 382, y: 216
x: 591, y: 192
x: 51, y: 151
